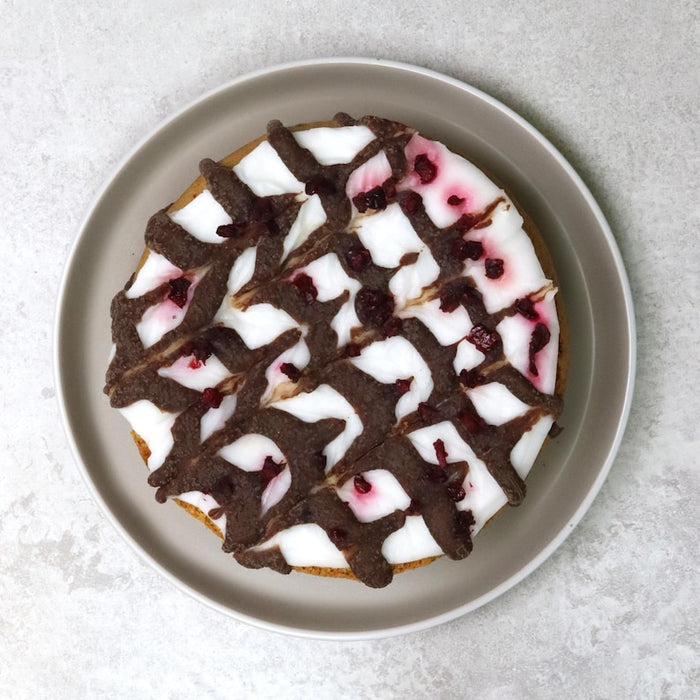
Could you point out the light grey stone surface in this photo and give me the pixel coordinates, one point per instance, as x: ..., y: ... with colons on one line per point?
x: 614, y: 612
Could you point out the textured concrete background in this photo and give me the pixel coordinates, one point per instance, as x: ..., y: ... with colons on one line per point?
x: 614, y: 613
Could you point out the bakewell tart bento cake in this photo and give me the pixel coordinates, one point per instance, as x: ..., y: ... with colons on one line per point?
x: 340, y: 350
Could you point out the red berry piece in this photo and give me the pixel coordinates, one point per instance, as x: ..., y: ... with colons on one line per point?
x: 200, y: 350
x: 360, y: 203
x: 494, y: 268
x: 472, y: 421
x: 427, y: 412
x: 305, y: 287
x: 373, y: 306
x: 338, y: 537
x: 352, y: 350
x: 410, y: 202
x: 358, y: 258
x: 426, y: 169
x: 434, y: 473
x: 456, y: 492
x: 454, y: 201
x: 450, y: 299
x: 525, y: 307
x: 372, y: 199
x: 270, y: 470
x: 483, y: 338
x: 463, y: 250
x: 469, y: 378
x: 319, y: 185
x: 178, y: 291
x: 361, y: 484
x: 540, y: 337
x: 403, y: 386
x: 212, y: 397
x: 233, y: 230
x: 440, y: 452
x: 292, y: 371
x: 389, y: 187
x: 466, y: 222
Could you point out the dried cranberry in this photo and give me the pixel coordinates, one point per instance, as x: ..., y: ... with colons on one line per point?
x: 440, y: 452
x: 483, y: 338
x: 212, y: 397
x: 292, y: 371
x: 494, y: 268
x: 305, y: 286
x: 450, y: 299
x: 232, y: 230
x: 319, y: 185
x: 427, y: 412
x: 372, y: 199
x: 540, y: 337
x: 358, y: 258
x: 525, y: 307
x: 361, y: 484
x: 178, y: 291
x: 454, y: 201
x: 389, y: 187
x: 469, y: 378
x: 373, y: 306
x: 338, y: 537
x: 465, y: 222
x: 411, y: 202
x: 200, y: 349
x: 403, y: 386
x: 270, y: 470
x: 456, y: 492
x: 352, y: 350
x: 434, y: 473
x: 426, y: 169
x: 472, y: 421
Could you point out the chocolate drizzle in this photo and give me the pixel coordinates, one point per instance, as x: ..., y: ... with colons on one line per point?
x: 193, y: 465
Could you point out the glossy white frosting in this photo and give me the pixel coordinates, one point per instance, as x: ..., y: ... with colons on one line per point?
x: 389, y: 236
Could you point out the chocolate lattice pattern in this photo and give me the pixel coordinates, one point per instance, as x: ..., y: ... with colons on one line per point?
x: 202, y: 287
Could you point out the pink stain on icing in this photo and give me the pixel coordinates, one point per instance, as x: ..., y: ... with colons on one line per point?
x: 371, y: 174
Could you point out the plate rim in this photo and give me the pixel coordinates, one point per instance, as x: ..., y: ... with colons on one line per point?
x: 536, y: 561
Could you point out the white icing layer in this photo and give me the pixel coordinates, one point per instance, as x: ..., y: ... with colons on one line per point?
x: 215, y: 418
x: 257, y: 325
x: 201, y: 217
x: 311, y: 215
x: 396, y: 358
x: 331, y: 146
x: 154, y: 427
x: 265, y: 172
x: 156, y: 270
x: 495, y: 404
x: 325, y: 402
x: 384, y: 496
x: 388, y: 235
x: 193, y: 374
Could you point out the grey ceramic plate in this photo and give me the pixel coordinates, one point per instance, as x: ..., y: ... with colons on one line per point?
x: 593, y: 287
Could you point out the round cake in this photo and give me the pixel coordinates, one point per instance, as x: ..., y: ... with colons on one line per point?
x: 341, y: 350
